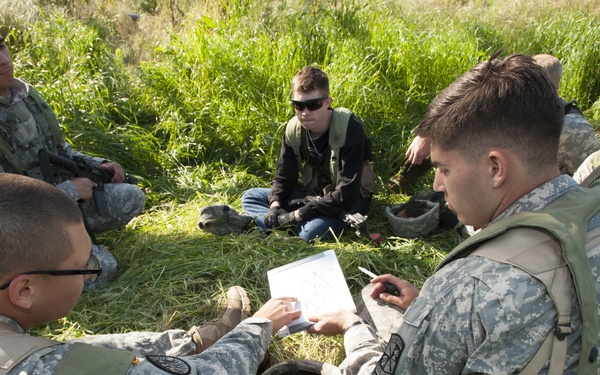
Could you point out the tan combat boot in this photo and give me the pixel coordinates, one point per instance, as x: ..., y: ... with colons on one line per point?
x: 409, y: 175
x: 236, y: 310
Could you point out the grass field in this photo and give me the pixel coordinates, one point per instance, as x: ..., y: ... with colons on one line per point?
x: 192, y: 97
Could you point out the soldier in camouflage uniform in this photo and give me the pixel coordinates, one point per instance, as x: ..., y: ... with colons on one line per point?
x: 577, y: 140
x: 475, y: 314
x: 27, y: 125
x: 41, y: 278
x: 588, y: 169
x: 324, y: 168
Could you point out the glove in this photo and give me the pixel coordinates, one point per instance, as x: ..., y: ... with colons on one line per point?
x: 307, y: 212
x: 286, y: 220
x: 272, y: 214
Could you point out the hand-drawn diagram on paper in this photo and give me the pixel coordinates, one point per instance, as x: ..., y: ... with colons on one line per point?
x: 317, y: 282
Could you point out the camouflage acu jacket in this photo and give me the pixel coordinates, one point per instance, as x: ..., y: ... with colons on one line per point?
x: 474, y: 315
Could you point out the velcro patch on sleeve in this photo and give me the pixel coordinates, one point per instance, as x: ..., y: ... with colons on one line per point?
x: 172, y: 365
x: 389, y: 359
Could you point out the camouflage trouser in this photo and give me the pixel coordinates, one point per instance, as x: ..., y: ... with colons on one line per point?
x: 124, y: 201
x: 174, y: 342
x: 109, y: 266
x: 384, y: 317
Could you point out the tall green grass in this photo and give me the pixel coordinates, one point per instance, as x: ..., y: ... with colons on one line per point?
x: 193, y: 97
x: 216, y: 90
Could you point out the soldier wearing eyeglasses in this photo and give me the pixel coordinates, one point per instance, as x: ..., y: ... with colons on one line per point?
x: 323, y: 171
x: 44, y: 262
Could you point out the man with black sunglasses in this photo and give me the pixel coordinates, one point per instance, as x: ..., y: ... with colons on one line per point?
x: 44, y: 261
x: 323, y: 171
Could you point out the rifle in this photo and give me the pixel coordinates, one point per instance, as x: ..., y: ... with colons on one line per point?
x: 56, y: 169
x: 357, y: 220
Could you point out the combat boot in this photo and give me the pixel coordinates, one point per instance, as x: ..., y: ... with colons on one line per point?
x: 105, y: 260
x: 236, y: 310
x: 408, y: 176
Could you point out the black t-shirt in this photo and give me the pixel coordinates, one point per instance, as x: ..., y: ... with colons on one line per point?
x: 355, y: 151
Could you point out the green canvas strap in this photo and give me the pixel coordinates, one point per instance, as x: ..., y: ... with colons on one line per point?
x: 337, y: 139
x: 85, y: 359
x: 16, y: 346
x: 44, y: 115
x: 11, y: 156
x: 539, y: 254
x: 574, y: 209
x: 81, y: 359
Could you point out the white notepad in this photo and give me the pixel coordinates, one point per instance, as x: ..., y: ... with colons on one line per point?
x: 317, y: 282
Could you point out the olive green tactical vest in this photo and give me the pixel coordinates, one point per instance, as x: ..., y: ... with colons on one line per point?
x: 295, y: 136
x: 15, y: 347
x: 81, y: 359
x: 45, y: 118
x: 526, y: 240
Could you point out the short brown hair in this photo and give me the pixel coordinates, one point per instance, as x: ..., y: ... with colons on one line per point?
x: 311, y: 78
x: 551, y: 66
x: 33, y: 216
x: 508, y: 104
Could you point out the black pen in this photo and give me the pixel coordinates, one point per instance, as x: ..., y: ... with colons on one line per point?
x: 389, y: 287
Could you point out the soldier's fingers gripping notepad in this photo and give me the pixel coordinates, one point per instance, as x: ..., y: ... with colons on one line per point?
x: 317, y: 282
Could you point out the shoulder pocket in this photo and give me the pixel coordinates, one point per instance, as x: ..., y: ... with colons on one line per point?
x: 417, y: 313
x: 413, y: 329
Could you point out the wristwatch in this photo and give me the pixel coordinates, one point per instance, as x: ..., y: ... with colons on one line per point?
x: 357, y: 323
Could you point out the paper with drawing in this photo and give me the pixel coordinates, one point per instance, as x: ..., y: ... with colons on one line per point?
x: 317, y: 282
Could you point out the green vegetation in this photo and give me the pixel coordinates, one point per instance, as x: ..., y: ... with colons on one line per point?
x: 192, y: 96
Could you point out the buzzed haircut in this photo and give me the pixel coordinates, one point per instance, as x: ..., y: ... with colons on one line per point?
x: 551, y: 66
x: 311, y: 78
x: 33, y: 220
x: 505, y: 104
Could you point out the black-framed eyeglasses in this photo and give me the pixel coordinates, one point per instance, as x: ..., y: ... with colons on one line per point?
x: 311, y: 105
x: 93, y: 271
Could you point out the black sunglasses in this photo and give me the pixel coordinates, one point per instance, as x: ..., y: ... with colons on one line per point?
x: 311, y: 105
x: 93, y: 273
